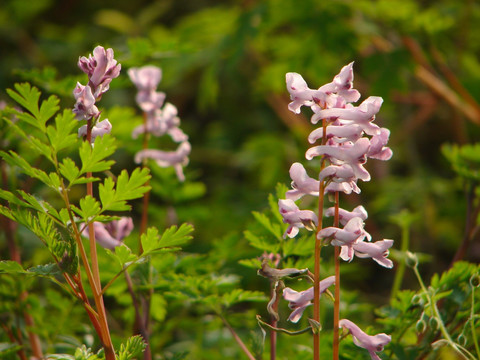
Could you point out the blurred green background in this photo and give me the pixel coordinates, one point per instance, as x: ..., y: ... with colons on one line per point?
x: 224, y: 65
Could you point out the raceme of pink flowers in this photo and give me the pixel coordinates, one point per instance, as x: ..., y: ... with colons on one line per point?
x: 101, y: 69
x: 158, y: 121
x: 349, y: 137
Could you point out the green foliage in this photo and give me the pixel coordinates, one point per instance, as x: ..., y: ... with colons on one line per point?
x: 411, y: 317
x: 465, y: 160
x: 126, y: 188
x: 133, y: 347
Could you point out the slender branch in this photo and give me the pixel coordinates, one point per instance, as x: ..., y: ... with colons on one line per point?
x: 436, y: 313
x: 97, y: 288
x: 472, y: 323
x: 282, y: 330
x: 318, y: 248
x: 274, y: 322
x: 237, y: 339
x: 143, y: 320
x: 336, y: 304
x: 397, y: 281
x: 21, y: 354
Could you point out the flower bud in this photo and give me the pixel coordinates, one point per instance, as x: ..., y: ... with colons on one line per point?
x: 433, y: 323
x: 420, y: 326
x: 316, y: 326
x: 475, y: 280
x: 418, y: 300
x: 411, y: 259
x: 462, y: 339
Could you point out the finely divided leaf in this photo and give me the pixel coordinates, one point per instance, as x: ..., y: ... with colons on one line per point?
x: 28, y: 97
x: 93, y: 156
x: 89, y: 208
x: 174, y: 236
x: 274, y: 229
x: 132, y: 348
x: 61, y: 135
x: 127, y: 188
x: 14, y: 159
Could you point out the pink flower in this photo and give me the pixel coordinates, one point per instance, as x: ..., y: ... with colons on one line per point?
x: 378, y: 251
x: 373, y: 343
x: 101, y: 68
x: 345, y: 216
x: 362, y: 115
x: 101, y: 128
x: 351, y: 234
x: 354, y: 156
x: 84, y: 108
x: 342, y: 85
x: 300, y: 93
x: 111, y: 234
x: 338, y: 133
x: 342, y: 178
x: 377, y: 149
x: 177, y: 158
x: 302, y: 184
x: 295, y: 217
x: 299, y: 301
x: 145, y: 78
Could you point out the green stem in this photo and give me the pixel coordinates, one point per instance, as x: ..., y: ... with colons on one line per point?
x: 237, y: 339
x: 436, y: 314
x: 399, y: 274
x: 472, y: 324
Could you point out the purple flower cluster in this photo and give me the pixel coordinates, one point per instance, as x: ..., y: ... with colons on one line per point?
x: 100, y: 68
x: 349, y: 137
x: 158, y: 121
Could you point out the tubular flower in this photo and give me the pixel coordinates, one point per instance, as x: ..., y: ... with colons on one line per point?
x: 302, y: 184
x: 378, y: 251
x: 299, y: 301
x: 101, y: 128
x: 101, y: 68
x: 111, y: 234
x: 177, y: 158
x: 84, y: 108
x: 372, y: 343
x: 295, y: 217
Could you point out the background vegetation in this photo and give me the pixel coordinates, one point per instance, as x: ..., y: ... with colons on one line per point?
x: 224, y: 65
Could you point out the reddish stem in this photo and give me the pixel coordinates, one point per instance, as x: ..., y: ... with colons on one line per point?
x: 318, y: 248
x: 336, y: 305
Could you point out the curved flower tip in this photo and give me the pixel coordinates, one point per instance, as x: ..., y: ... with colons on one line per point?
x: 377, y: 149
x: 299, y: 301
x: 378, y: 251
x: 84, y: 108
x: 111, y: 234
x: 302, y: 184
x: 101, y: 68
x: 295, y: 217
x: 177, y: 158
x: 145, y: 78
x: 300, y: 93
x: 101, y: 128
x: 372, y: 343
x: 345, y: 216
